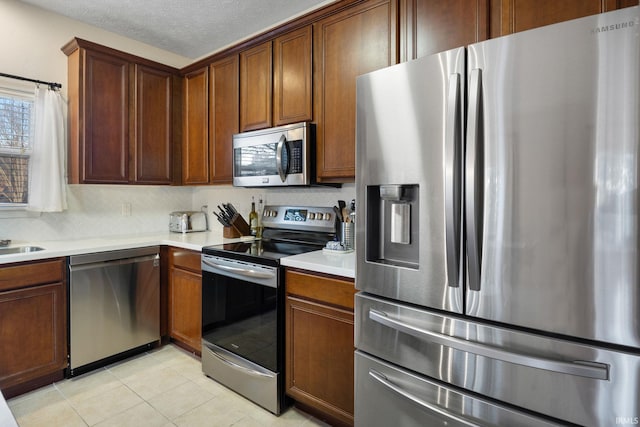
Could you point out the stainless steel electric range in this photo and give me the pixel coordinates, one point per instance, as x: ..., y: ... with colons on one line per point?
x: 243, y: 301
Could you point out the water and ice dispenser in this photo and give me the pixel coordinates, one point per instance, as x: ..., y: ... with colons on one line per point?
x: 393, y: 226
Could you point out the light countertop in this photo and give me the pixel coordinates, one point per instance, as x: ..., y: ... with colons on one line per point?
x: 323, y: 262
x: 318, y: 261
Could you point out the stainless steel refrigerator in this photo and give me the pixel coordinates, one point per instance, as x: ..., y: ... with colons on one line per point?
x: 498, y: 251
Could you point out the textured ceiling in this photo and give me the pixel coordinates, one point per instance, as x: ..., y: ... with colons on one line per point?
x: 191, y: 28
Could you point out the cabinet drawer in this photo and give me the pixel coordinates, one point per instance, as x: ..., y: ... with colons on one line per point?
x: 327, y: 289
x: 185, y: 259
x: 14, y: 276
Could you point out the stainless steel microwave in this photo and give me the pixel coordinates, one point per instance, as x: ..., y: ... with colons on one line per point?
x: 278, y: 156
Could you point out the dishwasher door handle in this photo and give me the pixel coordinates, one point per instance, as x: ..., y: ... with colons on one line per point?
x: 123, y: 261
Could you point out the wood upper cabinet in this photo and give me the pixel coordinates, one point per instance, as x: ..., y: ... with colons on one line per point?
x: 153, y: 133
x: 34, y: 352
x: 510, y: 16
x: 319, y: 344
x: 292, y: 77
x: 121, y: 109
x: 105, y: 113
x: 223, y: 117
x: 185, y: 298
x: 352, y: 42
x: 432, y: 26
x: 256, y: 88
x: 195, y: 128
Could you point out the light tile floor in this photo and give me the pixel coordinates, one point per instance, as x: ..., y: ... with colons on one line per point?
x: 162, y: 387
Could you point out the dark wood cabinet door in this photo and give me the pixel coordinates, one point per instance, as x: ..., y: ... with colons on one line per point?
x: 195, y: 130
x: 432, y: 26
x: 152, y: 146
x: 319, y: 343
x: 353, y: 42
x: 511, y: 16
x: 106, y: 119
x: 256, y: 87
x: 292, y: 77
x: 33, y: 326
x: 224, y: 110
x: 185, y: 298
x: 185, y: 307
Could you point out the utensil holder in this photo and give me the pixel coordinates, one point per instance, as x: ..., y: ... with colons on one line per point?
x: 347, y: 237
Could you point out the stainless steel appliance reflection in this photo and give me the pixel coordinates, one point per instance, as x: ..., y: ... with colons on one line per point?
x: 498, y: 263
x: 114, y: 305
x: 243, y: 302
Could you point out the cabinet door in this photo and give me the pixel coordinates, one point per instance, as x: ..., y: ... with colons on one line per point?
x: 106, y: 119
x: 223, y: 117
x: 510, y: 16
x: 185, y: 307
x: 432, y: 26
x: 255, y: 87
x: 355, y: 41
x: 319, y: 341
x: 292, y: 77
x: 152, y: 146
x: 195, y: 146
x: 32, y: 334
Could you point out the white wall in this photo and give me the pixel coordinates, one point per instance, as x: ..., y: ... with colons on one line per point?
x: 31, y: 41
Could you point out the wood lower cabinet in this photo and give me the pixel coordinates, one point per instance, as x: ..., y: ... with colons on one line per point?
x: 355, y: 41
x: 122, y: 111
x: 256, y: 87
x: 319, y: 344
x: 185, y: 298
x: 33, y: 326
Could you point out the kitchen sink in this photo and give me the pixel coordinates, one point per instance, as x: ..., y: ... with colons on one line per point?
x: 19, y: 249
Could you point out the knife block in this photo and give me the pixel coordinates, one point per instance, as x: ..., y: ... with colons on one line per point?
x: 230, y: 233
x: 240, y: 225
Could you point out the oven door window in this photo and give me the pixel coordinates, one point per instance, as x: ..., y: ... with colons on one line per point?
x: 240, y: 317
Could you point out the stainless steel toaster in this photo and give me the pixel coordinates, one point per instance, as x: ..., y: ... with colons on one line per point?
x: 187, y: 221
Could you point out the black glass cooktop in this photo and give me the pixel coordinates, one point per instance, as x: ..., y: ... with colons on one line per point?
x: 260, y: 250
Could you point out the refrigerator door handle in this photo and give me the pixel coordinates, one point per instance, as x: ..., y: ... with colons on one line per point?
x: 473, y: 179
x: 587, y: 369
x: 452, y: 180
x: 382, y: 379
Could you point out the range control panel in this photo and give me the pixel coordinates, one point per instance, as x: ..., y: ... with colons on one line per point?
x: 311, y: 218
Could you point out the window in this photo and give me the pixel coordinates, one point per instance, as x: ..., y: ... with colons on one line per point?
x: 16, y: 117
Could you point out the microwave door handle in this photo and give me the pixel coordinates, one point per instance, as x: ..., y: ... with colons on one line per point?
x: 279, y: 149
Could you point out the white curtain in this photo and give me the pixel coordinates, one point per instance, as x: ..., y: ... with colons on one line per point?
x: 47, y: 186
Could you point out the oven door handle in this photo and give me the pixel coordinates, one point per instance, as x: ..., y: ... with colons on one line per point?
x: 241, y: 271
x: 240, y: 367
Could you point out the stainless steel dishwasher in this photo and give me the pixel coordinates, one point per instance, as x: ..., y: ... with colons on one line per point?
x: 114, y: 305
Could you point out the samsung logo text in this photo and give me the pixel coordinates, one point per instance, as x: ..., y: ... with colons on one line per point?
x: 613, y: 27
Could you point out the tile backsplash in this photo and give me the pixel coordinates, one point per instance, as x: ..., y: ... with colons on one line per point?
x: 108, y: 210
